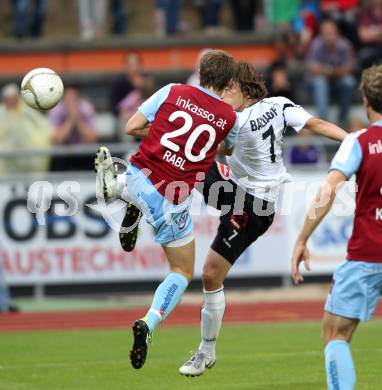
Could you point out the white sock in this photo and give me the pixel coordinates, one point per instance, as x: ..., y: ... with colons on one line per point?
x: 211, y: 319
x: 121, y: 188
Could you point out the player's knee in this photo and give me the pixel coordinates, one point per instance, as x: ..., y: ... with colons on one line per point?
x: 185, y: 271
x: 189, y: 275
x: 326, y: 337
x: 330, y: 333
x: 210, y: 279
x: 207, y: 277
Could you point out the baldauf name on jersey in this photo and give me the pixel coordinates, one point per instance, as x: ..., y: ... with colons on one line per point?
x: 259, y: 123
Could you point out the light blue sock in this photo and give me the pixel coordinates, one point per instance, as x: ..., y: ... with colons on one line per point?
x: 166, y: 297
x: 340, y: 372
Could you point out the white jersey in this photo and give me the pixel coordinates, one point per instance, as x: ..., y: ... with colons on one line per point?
x: 256, y: 163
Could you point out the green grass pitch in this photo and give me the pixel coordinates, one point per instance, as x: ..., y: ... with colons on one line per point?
x: 262, y: 356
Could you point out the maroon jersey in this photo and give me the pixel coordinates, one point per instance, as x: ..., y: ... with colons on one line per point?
x: 188, y: 123
x: 365, y: 243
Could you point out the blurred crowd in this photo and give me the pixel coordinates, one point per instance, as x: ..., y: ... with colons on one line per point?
x: 331, y: 40
x: 296, y: 21
x: 29, y: 16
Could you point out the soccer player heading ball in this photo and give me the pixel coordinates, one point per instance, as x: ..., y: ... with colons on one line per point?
x: 357, y: 282
x: 187, y: 126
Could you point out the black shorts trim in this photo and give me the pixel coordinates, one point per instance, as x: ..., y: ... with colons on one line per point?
x: 244, y: 217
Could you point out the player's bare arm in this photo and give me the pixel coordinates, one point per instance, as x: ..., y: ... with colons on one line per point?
x: 225, y: 151
x: 137, y: 126
x: 326, y: 129
x: 320, y: 206
x: 142, y: 133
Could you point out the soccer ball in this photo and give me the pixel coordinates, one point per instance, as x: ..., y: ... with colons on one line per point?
x: 42, y: 88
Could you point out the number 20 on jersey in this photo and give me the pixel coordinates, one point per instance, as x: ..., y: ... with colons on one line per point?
x: 171, y: 156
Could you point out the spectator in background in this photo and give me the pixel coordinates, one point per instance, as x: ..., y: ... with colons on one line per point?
x: 344, y: 13
x: 167, y: 16
x: 74, y: 123
x: 22, y: 25
x: 280, y: 14
x: 244, y: 14
x: 278, y: 81
x: 370, y: 34
x: 211, y: 13
x: 118, y: 13
x: 130, y: 104
x: 132, y: 78
x: 92, y: 15
x: 330, y: 66
x: 306, y: 25
x: 22, y: 127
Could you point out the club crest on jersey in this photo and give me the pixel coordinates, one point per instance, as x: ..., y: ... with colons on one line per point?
x: 224, y: 170
x: 263, y: 120
x: 181, y: 219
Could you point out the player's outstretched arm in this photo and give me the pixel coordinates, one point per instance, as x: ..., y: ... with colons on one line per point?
x: 326, y: 129
x: 137, y: 126
x: 316, y: 213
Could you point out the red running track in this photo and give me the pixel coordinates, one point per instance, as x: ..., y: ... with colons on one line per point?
x: 183, y: 315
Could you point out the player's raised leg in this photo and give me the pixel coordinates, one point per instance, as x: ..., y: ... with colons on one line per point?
x: 106, y: 179
x: 109, y: 185
x: 128, y: 233
x: 166, y: 297
x: 215, y: 269
x: 337, y: 333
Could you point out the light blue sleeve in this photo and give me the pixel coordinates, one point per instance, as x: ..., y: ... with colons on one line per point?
x: 348, y: 157
x: 231, y: 138
x: 151, y: 106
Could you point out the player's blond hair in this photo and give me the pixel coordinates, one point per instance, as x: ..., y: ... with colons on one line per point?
x: 371, y: 87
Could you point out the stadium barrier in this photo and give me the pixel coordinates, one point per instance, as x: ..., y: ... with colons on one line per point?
x: 65, y: 240
x: 120, y: 147
x: 108, y: 55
